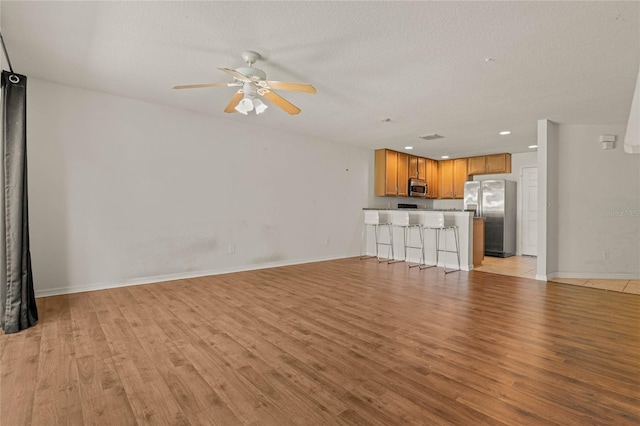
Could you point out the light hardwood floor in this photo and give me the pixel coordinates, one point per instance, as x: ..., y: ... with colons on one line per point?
x: 339, y: 342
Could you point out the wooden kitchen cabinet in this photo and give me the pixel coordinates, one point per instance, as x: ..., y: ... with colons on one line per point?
x: 460, y: 176
x: 403, y: 174
x: 453, y: 175
x: 432, y: 178
x: 417, y: 167
x: 488, y: 164
x: 391, y: 173
x: 478, y: 241
x: 498, y: 163
x: 445, y: 179
x: 477, y: 165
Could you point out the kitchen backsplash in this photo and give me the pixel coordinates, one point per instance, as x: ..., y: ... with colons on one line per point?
x: 448, y: 204
x: 392, y: 202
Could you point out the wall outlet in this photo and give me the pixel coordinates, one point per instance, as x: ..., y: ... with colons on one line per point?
x: 232, y: 249
x: 605, y: 255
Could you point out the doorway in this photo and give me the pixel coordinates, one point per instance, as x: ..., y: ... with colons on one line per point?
x: 525, y: 263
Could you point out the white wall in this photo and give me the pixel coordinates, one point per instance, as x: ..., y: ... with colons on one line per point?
x: 548, y: 169
x: 632, y: 134
x: 599, y: 205
x: 126, y: 192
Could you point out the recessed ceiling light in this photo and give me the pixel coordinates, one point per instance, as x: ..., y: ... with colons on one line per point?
x: 505, y: 132
x: 533, y: 146
x: 444, y: 157
x: 408, y: 147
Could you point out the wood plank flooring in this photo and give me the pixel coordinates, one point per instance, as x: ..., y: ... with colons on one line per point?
x: 345, y: 342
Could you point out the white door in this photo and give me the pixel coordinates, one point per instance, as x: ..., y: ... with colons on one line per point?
x: 529, y: 234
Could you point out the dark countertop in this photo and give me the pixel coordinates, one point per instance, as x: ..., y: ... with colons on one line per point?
x: 417, y: 210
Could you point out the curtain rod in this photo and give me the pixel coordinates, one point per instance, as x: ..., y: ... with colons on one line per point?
x: 6, y: 54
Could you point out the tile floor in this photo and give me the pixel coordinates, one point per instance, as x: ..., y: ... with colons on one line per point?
x: 625, y: 286
x: 525, y: 266
x: 514, y: 266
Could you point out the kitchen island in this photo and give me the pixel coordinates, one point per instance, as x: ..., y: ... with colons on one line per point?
x: 462, y: 219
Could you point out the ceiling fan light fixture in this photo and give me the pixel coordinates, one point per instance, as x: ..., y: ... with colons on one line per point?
x: 254, y: 82
x: 244, y: 106
x: 259, y: 106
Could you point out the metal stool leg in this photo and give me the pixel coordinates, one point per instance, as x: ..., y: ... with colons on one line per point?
x: 375, y: 233
x: 421, y: 247
x: 404, y: 243
x: 390, y: 254
x: 438, y: 235
x: 455, y: 238
x: 424, y: 256
x: 445, y: 250
x: 363, y: 240
x: 391, y: 242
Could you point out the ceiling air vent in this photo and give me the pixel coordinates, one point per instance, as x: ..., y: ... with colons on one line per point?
x: 431, y: 137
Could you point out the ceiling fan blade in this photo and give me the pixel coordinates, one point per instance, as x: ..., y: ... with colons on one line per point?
x: 294, y: 87
x: 197, y: 86
x: 279, y: 101
x: 231, y: 106
x: 236, y: 74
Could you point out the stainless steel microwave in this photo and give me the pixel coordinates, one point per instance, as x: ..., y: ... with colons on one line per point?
x: 417, y: 188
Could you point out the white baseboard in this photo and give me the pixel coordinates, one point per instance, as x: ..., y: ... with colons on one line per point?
x: 597, y: 275
x: 588, y: 275
x: 179, y: 276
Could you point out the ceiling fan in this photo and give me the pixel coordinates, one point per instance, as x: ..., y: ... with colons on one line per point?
x: 253, y: 82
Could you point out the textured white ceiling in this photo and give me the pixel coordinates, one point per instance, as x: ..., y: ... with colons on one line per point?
x: 421, y: 64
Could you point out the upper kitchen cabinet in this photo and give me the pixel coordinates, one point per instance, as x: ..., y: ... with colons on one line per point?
x: 391, y: 173
x: 453, y: 175
x: 477, y: 165
x: 417, y: 167
x: 403, y: 174
x: 488, y: 164
x: 432, y: 178
x: 499, y: 163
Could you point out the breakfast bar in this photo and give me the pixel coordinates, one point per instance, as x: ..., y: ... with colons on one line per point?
x: 462, y: 219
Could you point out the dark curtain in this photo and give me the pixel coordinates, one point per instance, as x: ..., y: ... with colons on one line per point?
x: 18, y: 305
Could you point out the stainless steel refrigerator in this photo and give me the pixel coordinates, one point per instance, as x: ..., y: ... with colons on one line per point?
x: 495, y: 201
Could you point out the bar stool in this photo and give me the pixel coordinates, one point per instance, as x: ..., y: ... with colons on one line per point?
x: 375, y: 219
x: 407, y: 222
x: 435, y: 222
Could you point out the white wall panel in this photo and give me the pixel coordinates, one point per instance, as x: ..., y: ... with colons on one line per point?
x: 124, y: 192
